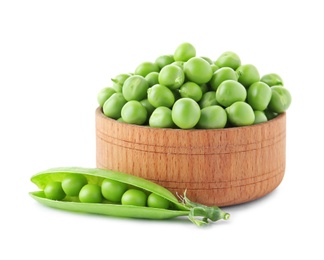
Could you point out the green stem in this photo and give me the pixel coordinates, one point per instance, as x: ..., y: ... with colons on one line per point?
x: 213, y: 213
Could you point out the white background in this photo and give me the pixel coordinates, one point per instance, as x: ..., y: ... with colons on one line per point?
x: 54, y: 58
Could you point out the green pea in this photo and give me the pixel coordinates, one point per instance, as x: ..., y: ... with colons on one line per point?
x: 272, y: 79
x: 117, y: 87
x: 164, y: 60
x: 160, y: 95
x: 104, y: 94
x: 53, y: 190
x: 120, y: 79
x: 152, y: 78
x: 156, y: 201
x: 221, y: 75
x: 259, y: 95
x: 184, y: 52
x: 228, y: 59
x: 90, y: 193
x: 214, y: 67
x: 113, y: 190
x: 171, y: 76
x: 230, y: 91
x: 185, y: 113
x: 198, y: 70
x: 161, y: 118
x: 180, y: 64
x: 113, y: 106
x: 176, y: 94
x: 212, y: 117
x: 260, y: 117
x: 133, y: 112
x: 134, y: 197
x: 269, y: 114
x: 240, y: 114
x: 191, y: 90
x: 204, y: 88
x: 280, y: 99
x: 145, y: 68
x: 207, y: 59
x: 121, y: 120
x: 73, y: 183
x: 208, y: 99
x: 247, y: 74
x: 135, y: 88
x: 149, y: 108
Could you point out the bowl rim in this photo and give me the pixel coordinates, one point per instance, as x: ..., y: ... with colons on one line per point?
x: 99, y: 112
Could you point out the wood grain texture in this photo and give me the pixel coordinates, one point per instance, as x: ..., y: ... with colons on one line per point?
x: 217, y: 167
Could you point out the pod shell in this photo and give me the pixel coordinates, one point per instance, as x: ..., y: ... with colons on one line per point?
x: 95, y: 175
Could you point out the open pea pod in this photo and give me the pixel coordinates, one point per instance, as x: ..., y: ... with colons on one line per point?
x: 197, y: 213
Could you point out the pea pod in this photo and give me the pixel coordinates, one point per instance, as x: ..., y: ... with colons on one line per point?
x: 197, y: 213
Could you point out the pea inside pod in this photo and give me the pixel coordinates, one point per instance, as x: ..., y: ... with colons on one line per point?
x: 199, y: 214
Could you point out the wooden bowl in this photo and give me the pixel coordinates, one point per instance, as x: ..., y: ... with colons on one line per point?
x: 217, y: 167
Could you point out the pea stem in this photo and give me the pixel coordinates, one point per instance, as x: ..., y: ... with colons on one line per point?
x: 198, y: 211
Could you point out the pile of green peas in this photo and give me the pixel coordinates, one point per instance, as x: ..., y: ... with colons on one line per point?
x: 185, y: 91
x: 75, y: 187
